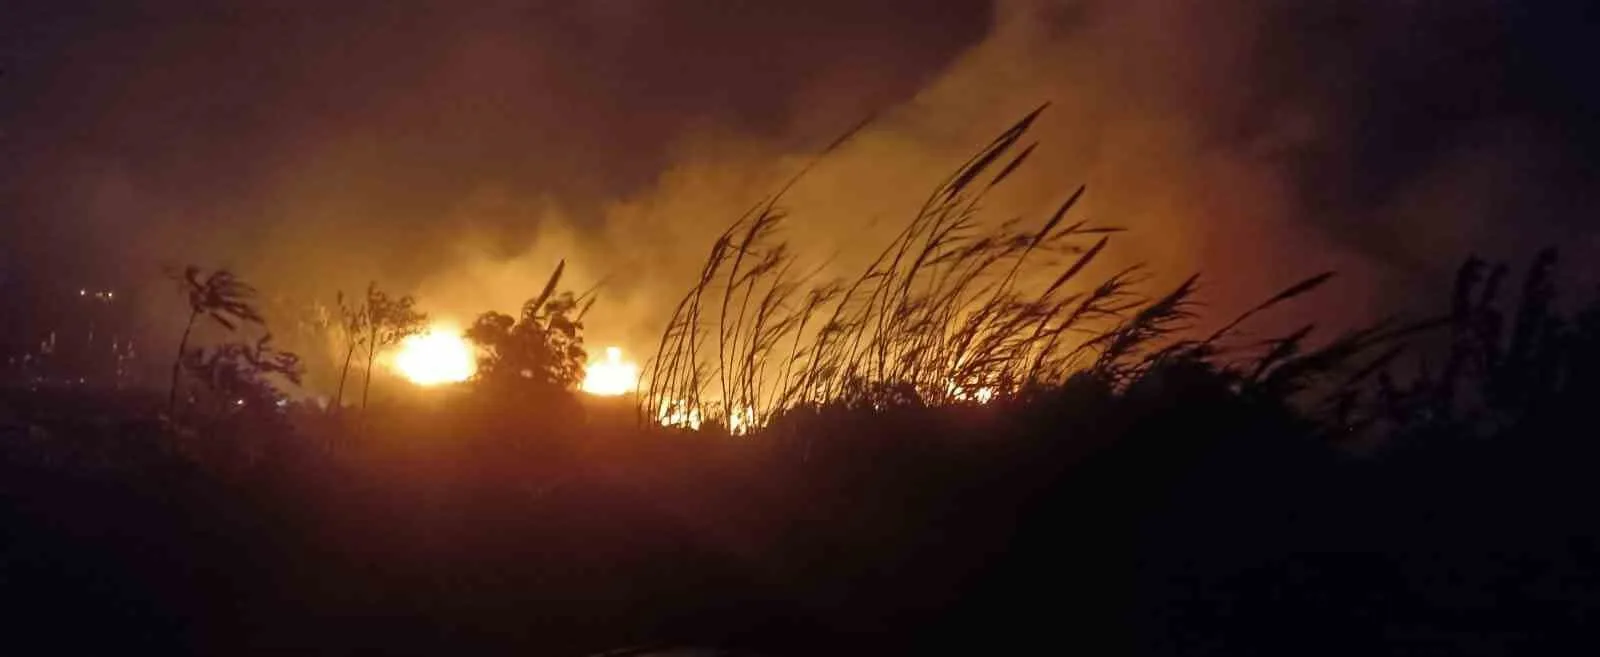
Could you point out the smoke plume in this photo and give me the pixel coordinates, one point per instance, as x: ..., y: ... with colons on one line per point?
x: 460, y: 153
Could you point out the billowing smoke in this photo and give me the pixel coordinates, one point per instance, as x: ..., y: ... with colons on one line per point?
x: 459, y: 153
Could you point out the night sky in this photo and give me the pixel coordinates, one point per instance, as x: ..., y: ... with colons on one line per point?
x: 459, y: 150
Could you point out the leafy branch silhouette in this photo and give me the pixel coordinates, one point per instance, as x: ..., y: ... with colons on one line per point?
x: 219, y: 296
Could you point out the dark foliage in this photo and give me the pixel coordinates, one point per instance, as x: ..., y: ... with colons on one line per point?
x: 541, y: 351
x: 219, y: 296
x: 232, y: 373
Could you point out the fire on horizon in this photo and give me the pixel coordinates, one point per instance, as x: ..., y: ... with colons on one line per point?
x: 443, y: 356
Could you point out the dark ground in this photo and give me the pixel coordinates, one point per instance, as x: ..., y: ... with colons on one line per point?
x: 1149, y: 527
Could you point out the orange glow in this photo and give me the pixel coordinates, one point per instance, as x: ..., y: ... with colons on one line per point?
x: 743, y: 421
x: 681, y: 415
x: 612, y: 376
x: 678, y: 414
x: 981, y: 395
x: 437, y: 357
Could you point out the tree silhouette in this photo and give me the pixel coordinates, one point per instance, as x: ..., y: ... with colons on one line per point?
x: 353, y: 320
x: 542, y: 350
x: 219, y: 296
x: 388, y: 321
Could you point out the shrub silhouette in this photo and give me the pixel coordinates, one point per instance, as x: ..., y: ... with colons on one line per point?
x: 219, y: 296
x: 541, y: 350
x: 235, y: 372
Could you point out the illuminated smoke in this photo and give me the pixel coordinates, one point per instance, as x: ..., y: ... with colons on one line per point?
x: 458, y: 153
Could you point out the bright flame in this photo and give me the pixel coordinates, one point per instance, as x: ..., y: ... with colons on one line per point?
x: 743, y: 421
x: 981, y: 395
x: 678, y: 414
x: 611, y: 376
x: 436, y: 357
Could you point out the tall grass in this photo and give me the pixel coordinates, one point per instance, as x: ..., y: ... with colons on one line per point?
x: 956, y: 309
x: 953, y: 309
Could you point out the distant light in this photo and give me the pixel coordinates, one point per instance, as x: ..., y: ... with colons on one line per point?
x: 82, y: 293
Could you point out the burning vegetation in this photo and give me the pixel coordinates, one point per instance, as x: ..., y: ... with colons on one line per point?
x: 956, y: 309
x: 437, y: 357
x: 978, y: 385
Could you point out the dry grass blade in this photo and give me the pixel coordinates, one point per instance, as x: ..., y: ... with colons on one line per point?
x: 549, y: 289
x: 1013, y: 164
x: 987, y: 157
x: 1291, y: 292
x: 1282, y: 348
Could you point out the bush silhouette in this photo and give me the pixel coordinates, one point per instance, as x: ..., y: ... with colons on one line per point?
x: 539, y: 352
x: 219, y: 296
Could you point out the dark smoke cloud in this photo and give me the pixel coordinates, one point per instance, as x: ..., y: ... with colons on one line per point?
x: 1440, y: 126
x: 1257, y: 139
x: 459, y: 152
x: 133, y: 119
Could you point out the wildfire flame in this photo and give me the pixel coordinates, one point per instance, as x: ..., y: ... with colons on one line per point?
x: 981, y: 394
x: 612, y: 376
x: 437, y: 357
x: 678, y: 414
